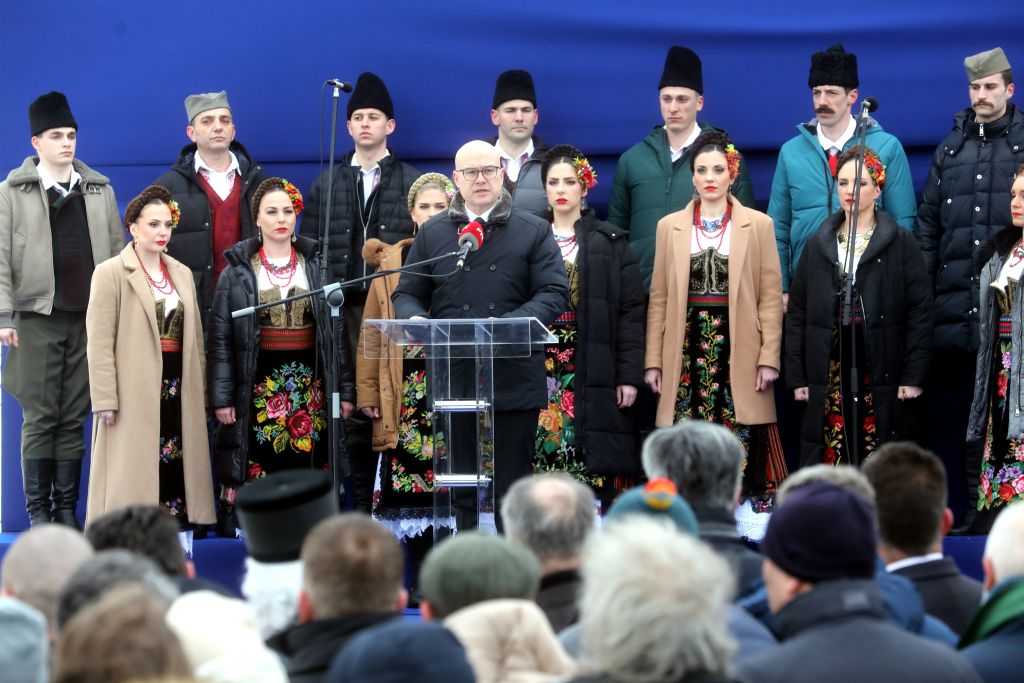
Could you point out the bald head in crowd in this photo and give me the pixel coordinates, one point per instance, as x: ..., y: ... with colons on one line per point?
x: 551, y: 514
x: 478, y: 175
x: 1004, y: 549
x: 40, y: 562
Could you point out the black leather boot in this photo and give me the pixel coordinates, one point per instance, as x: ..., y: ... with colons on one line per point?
x: 974, y: 522
x: 37, y: 475
x: 67, y: 477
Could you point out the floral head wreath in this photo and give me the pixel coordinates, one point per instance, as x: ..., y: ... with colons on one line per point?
x: 875, y: 167
x: 175, y: 212
x: 294, y: 195
x: 584, y: 172
x: 449, y: 190
x: 732, y: 159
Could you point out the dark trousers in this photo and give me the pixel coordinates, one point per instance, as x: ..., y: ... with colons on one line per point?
x: 949, y: 394
x: 359, y: 428
x: 49, y: 375
x: 515, y: 434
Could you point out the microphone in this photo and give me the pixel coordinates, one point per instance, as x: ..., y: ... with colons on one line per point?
x: 341, y: 85
x: 868, y: 105
x: 470, y: 239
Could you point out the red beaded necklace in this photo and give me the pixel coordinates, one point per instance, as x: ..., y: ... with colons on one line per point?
x: 277, y: 274
x: 165, y: 286
x: 715, y: 232
x: 1017, y: 255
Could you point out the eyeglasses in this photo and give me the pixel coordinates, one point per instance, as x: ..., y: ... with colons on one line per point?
x: 470, y: 174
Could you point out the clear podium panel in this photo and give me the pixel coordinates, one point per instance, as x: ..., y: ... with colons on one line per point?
x: 508, y: 337
x: 460, y: 393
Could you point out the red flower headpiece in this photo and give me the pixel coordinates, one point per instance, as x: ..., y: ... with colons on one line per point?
x: 449, y: 190
x: 175, y: 212
x: 294, y: 195
x: 732, y: 159
x: 875, y: 167
x: 584, y: 172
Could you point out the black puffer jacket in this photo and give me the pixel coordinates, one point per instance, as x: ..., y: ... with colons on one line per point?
x: 610, y: 345
x: 528, y: 193
x: 966, y: 201
x: 193, y: 238
x: 897, y: 303
x: 233, y: 349
x: 388, y: 221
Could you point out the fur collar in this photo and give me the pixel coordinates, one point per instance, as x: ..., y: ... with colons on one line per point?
x: 375, y: 251
x: 499, y: 214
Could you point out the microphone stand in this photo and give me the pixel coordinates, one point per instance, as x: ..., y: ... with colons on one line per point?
x: 853, y: 435
x: 335, y: 299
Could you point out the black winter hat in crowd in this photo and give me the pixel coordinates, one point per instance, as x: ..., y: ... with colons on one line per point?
x: 371, y: 93
x: 50, y: 111
x: 682, y: 70
x: 277, y: 511
x: 834, y: 66
x: 514, y: 85
x: 822, y: 532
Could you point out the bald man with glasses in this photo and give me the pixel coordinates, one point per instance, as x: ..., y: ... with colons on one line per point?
x: 516, y: 273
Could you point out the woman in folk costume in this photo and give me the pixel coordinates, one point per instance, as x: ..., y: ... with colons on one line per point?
x: 714, y: 323
x: 146, y: 375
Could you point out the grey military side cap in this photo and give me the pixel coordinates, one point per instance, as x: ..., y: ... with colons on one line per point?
x: 986, y: 63
x: 197, y: 104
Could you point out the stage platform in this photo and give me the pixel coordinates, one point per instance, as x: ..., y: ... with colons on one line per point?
x: 223, y: 559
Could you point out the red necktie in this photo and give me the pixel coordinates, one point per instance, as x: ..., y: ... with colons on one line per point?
x: 833, y: 155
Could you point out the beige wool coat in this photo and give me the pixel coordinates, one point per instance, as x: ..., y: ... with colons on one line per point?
x: 125, y: 368
x: 755, y: 309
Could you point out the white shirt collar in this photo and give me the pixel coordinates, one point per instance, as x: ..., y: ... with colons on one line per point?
x: 355, y: 162
x: 48, y: 181
x: 482, y: 217
x: 505, y: 155
x: 911, y: 561
x: 692, y: 138
x: 826, y: 144
x: 233, y: 166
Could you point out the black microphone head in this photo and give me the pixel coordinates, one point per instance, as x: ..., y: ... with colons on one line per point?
x: 871, y: 103
x: 339, y: 84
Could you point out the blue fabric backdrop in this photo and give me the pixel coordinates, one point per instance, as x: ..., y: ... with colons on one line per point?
x: 126, y: 67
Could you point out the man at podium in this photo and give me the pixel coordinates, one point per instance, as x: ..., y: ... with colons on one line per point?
x: 516, y: 273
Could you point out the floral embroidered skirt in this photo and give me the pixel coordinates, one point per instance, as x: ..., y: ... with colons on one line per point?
x: 1002, y: 461
x: 288, y: 420
x: 404, y: 496
x: 556, y: 435
x: 704, y: 394
x: 172, y: 466
x: 838, y: 401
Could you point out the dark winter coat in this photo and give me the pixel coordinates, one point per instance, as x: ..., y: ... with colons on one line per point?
x: 610, y: 345
x: 947, y: 594
x: 838, y: 633
x: 193, y: 236
x: 717, y: 528
x: 308, y: 649
x: 234, y: 345
x: 896, y: 298
x: 648, y: 186
x: 516, y: 273
x: 988, y: 332
x: 529, y: 193
x: 388, y: 217
x: 966, y: 200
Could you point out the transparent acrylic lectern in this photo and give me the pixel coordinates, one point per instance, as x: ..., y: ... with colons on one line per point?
x: 460, y: 357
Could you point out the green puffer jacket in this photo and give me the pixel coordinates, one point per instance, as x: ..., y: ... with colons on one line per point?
x: 804, y: 192
x: 648, y: 187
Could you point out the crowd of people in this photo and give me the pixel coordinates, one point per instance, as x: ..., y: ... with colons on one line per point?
x: 218, y: 388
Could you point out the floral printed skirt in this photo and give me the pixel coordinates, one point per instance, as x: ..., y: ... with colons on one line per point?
x: 404, y: 496
x: 556, y: 434
x: 838, y: 401
x: 704, y: 394
x: 172, y: 466
x: 289, y: 424
x: 1002, y: 462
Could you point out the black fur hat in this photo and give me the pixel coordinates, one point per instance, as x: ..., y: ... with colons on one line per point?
x: 682, y: 70
x: 514, y: 85
x: 371, y: 93
x: 834, y: 66
x: 50, y: 111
